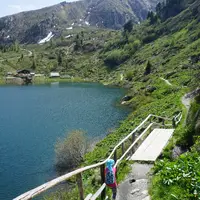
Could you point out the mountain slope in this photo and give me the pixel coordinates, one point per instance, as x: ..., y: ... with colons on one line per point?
x: 30, y: 27
x: 137, y: 60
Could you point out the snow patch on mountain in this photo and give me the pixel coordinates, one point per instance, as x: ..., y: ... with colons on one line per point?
x: 68, y: 36
x: 46, y: 39
x: 87, y: 23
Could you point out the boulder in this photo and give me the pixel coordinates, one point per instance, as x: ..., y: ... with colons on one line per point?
x: 126, y: 98
x: 150, y: 88
x: 177, y: 151
x: 169, y: 74
x: 194, y: 58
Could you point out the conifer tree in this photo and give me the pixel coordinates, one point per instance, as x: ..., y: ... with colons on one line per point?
x: 148, y: 68
x: 128, y: 26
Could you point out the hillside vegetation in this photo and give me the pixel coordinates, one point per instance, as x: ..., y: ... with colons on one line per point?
x: 135, y: 59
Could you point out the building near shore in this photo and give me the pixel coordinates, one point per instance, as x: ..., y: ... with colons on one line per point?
x: 54, y: 75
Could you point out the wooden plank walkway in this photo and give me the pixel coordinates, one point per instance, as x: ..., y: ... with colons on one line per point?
x: 152, y: 147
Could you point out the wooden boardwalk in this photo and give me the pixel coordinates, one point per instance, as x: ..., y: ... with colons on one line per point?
x: 152, y: 147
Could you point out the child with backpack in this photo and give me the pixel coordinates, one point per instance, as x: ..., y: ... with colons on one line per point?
x: 110, y: 177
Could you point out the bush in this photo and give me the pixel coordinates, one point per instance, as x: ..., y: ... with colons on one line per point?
x: 115, y: 57
x: 70, y: 150
x: 178, y: 179
x: 149, y: 38
x: 129, y: 75
x: 132, y: 47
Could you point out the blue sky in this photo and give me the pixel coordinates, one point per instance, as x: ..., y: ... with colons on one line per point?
x: 9, y: 7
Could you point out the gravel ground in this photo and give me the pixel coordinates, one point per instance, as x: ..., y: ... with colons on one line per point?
x: 138, y: 189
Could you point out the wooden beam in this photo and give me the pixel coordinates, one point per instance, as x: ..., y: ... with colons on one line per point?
x: 102, y: 171
x: 115, y: 156
x: 98, y: 193
x: 122, y: 148
x: 88, y: 197
x: 80, y: 185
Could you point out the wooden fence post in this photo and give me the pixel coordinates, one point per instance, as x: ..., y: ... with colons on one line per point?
x: 115, y: 156
x: 80, y: 185
x: 174, y: 122
x: 122, y: 148
x: 163, y: 122
x: 133, y: 139
x: 102, y: 171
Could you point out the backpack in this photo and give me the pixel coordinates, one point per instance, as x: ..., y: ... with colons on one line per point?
x: 110, y: 178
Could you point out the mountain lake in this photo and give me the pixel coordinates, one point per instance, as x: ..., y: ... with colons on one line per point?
x: 33, y: 118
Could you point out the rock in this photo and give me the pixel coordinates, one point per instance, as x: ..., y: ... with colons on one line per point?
x: 89, y: 47
x: 145, y: 79
x: 194, y: 58
x: 132, y: 181
x: 169, y: 74
x: 185, y: 66
x: 177, y: 151
x: 135, y: 190
x: 126, y: 98
x: 150, y: 88
x: 123, y: 102
x: 145, y: 192
x: 146, y: 198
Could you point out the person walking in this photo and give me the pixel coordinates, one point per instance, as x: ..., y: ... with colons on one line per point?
x: 110, y: 177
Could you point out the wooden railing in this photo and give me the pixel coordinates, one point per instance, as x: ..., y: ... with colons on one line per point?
x: 133, y: 139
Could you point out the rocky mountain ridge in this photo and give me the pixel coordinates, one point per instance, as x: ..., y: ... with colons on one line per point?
x: 32, y: 26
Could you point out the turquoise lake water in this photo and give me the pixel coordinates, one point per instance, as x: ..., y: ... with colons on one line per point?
x: 32, y: 118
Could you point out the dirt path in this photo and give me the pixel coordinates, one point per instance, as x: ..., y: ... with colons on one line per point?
x: 187, y: 98
x: 30, y: 53
x: 166, y: 81
x: 138, y: 189
x: 186, y: 102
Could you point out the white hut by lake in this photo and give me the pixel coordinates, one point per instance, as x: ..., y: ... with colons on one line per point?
x: 54, y: 75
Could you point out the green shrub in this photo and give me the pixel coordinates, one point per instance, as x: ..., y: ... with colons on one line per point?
x: 115, y: 58
x: 132, y: 47
x: 177, y: 180
x: 129, y: 75
x: 70, y: 150
x: 149, y: 38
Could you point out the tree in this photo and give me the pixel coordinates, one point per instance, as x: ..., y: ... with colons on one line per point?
x: 82, y: 34
x: 21, y: 58
x: 153, y: 18
x: 70, y: 150
x: 128, y: 26
x: 158, y: 8
x: 34, y: 65
x: 52, y: 43
x: 15, y: 46
x: 148, y: 68
x: 59, y: 58
x: 78, y: 42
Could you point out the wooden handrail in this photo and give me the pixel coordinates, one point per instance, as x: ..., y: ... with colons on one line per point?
x: 38, y: 190
x: 132, y: 145
x: 97, y: 194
